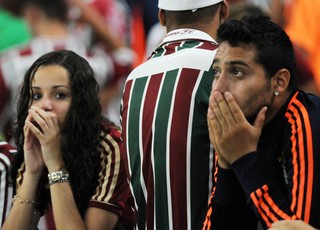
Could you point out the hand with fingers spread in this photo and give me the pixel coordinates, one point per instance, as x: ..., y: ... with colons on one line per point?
x: 232, y: 135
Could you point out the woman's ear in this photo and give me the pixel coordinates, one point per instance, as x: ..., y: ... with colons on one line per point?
x: 161, y: 17
x: 280, y: 81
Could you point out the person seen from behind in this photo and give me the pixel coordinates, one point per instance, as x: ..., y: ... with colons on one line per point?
x: 164, y: 122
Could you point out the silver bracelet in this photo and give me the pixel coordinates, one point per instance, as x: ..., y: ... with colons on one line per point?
x: 58, y: 177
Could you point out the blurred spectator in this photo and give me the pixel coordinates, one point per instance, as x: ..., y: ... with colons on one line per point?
x: 106, y: 23
x: 13, y: 30
x: 301, y: 20
x: 49, y: 25
x: 6, y: 190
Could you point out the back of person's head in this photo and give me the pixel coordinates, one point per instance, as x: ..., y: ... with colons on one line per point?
x: 241, y: 9
x: 274, y: 49
x: 53, y: 9
x: 184, y: 12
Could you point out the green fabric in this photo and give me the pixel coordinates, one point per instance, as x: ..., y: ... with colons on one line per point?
x: 13, y: 30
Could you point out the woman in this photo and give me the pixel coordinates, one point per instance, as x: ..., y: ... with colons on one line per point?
x: 69, y: 156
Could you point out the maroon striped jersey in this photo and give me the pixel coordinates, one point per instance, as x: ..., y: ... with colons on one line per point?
x: 165, y: 134
x: 6, y: 155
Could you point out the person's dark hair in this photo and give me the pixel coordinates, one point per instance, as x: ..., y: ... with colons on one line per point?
x: 274, y: 48
x: 186, y: 17
x: 80, y: 132
x: 53, y: 9
x: 241, y: 9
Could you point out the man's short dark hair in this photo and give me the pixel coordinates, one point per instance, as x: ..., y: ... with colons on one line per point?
x: 273, y: 46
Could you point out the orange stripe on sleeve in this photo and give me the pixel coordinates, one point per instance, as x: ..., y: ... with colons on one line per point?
x: 267, y: 208
x: 306, y: 165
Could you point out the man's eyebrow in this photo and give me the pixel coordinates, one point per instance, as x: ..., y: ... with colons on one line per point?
x: 231, y: 62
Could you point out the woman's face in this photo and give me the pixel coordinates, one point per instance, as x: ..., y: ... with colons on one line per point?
x: 51, y: 90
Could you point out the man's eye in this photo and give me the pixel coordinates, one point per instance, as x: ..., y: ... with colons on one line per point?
x: 216, y: 72
x: 238, y: 73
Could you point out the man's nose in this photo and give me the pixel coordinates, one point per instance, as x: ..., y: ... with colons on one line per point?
x: 220, y: 84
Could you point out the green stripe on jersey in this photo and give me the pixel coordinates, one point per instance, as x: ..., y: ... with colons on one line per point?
x: 134, y: 140
x: 160, y: 151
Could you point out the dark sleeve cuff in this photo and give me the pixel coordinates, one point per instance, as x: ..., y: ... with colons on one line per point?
x: 228, y: 190
x: 252, y: 171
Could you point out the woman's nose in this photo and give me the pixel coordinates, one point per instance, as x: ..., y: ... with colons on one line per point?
x: 46, y: 104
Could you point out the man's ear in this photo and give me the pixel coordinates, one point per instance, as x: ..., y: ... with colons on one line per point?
x: 280, y: 81
x: 224, y: 11
x: 161, y: 17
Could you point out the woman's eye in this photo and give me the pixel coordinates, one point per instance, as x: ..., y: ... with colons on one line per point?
x: 60, y: 95
x: 36, y: 96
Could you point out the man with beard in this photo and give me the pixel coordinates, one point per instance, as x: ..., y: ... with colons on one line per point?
x: 264, y: 130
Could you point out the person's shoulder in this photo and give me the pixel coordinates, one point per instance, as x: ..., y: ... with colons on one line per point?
x: 110, y: 129
x: 7, y: 151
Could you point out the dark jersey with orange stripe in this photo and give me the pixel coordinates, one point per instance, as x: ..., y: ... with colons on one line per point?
x: 280, y: 181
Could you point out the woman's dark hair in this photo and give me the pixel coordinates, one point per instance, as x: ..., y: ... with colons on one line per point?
x: 274, y: 50
x: 80, y: 134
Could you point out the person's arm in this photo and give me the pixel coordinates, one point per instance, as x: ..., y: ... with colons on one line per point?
x: 290, y: 225
x: 90, y: 15
x: 228, y: 202
x: 24, y: 214
x: 109, y: 202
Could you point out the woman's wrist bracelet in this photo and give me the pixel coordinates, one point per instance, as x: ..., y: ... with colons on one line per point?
x: 58, y: 177
x: 18, y: 198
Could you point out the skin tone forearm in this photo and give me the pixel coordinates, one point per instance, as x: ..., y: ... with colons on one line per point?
x: 90, y: 15
x: 65, y: 211
x: 291, y: 225
x: 22, y: 214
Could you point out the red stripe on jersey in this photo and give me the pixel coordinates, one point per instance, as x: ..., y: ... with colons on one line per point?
x: 25, y: 52
x: 179, y: 132
x: 124, y: 115
x: 171, y: 47
x: 148, y: 115
x: 208, y: 46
